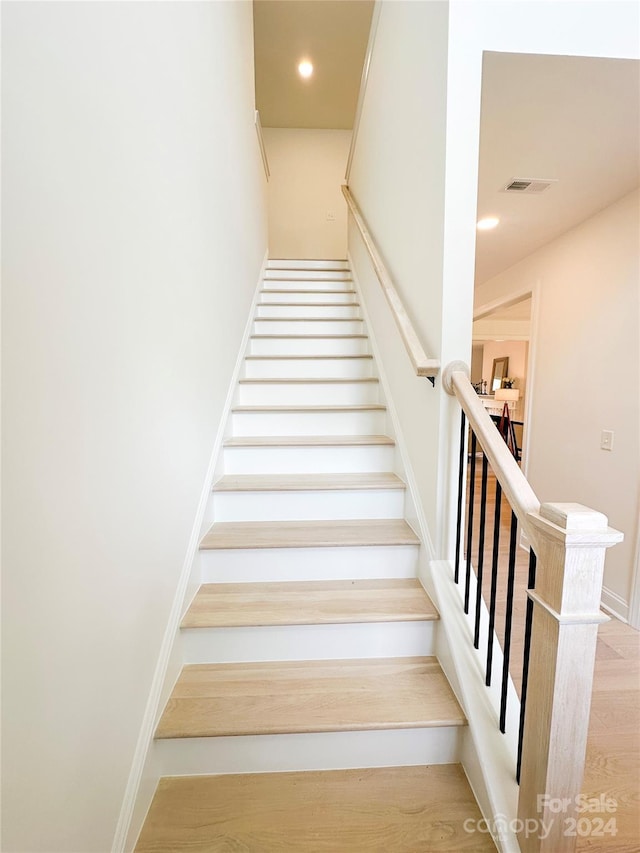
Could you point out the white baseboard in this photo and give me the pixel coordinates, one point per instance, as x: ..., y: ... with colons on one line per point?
x: 615, y: 604
x: 137, y: 797
x: 488, y: 756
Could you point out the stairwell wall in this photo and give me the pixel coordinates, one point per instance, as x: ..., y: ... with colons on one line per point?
x: 134, y: 229
x: 397, y: 178
x: 307, y: 169
x: 415, y: 176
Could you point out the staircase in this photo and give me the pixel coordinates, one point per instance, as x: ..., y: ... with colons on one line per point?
x: 311, y: 713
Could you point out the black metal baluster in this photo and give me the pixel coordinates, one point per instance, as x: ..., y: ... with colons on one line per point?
x: 472, y: 477
x: 483, y: 519
x: 460, y: 487
x: 494, y: 582
x: 525, y: 658
x: 508, y: 620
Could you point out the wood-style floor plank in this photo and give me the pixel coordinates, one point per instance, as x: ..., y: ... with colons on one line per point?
x: 367, y: 407
x: 306, y: 482
x: 214, y: 700
x: 307, y: 440
x: 388, y: 810
x: 305, y: 381
x: 308, y: 534
x: 309, y: 603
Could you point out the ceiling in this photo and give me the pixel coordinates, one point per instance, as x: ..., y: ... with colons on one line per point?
x: 333, y: 35
x: 575, y: 119
x: 572, y: 119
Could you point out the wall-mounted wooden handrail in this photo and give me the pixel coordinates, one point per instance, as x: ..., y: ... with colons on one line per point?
x: 422, y: 364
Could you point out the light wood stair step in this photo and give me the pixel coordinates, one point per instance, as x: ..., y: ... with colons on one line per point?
x: 305, y: 381
x: 309, y: 319
x: 225, y: 700
x: 308, y: 263
x: 308, y: 440
x: 391, y: 809
x: 308, y: 534
x: 314, y: 337
x: 314, y: 357
x: 326, y: 291
x: 309, y: 603
x: 306, y: 482
x: 368, y: 407
x: 311, y: 304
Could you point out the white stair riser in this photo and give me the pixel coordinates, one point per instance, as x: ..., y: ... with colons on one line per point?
x: 321, y: 505
x: 308, y: 327
x: 346, y: 311
x: 312, y: 394
x: 308, y: 368
x: 305, y: 264
x: 276, y: 296
x: 306, y: 275
x: 368, y: 422
x: 255, y: 565
x: 313, y: 751
x: 309, y: 346
x: 308, y: 642
x: 358, y: 459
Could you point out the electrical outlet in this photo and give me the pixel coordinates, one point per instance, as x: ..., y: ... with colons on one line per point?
x: 606, y: 439
x: 331, y: 217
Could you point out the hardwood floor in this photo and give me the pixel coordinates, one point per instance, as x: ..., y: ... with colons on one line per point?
x: 391, y: 809
x: 286, y: 697
x: 309, y: 603
x: 613, y: 747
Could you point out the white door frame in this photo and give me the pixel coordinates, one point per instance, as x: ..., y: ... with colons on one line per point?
x: 506, y: 302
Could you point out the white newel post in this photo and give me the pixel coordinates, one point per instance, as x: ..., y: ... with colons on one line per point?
x: 571, y: 541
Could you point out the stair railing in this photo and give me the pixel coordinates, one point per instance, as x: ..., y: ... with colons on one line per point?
x: 422, y: 364
x: 568, y: 544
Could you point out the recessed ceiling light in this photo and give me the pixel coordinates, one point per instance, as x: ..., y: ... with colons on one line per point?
x: 305, y: 69
x: 487, y: 223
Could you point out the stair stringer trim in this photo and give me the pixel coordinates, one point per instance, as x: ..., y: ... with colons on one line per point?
x: 488, y: 756
x: 144, y: 773
x: 414, y: 512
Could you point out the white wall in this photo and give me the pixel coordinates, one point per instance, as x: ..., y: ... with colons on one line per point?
x: 586, y: 373
x: 134, y: 228
x: 605, y: 28
x: 397, y: 178
x: 307, y: 170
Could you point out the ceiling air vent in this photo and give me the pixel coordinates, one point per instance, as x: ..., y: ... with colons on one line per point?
x: 528, y: 185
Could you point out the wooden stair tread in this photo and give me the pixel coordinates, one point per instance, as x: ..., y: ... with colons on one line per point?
x: 314, y: 337
x: 219, y: 605
x: 308, y: 534
x: 308, y: 357
x: 308, y: 319
x: 306, y: 482
x: 294, y: 380
x: 288, y: 697
x: 365, y: 407
x: 305, y: 290
x: 310, y: 304
x: 395, y: 809
x: 308, y: 440
x: 320, y: 279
